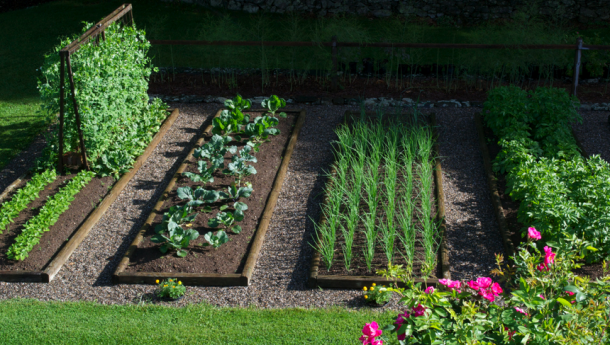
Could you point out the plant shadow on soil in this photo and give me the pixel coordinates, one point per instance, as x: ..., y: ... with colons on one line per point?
x: 145, y: 206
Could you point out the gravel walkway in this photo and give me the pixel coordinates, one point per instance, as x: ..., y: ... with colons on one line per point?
x: 594, y: 133
x: 281, y: 273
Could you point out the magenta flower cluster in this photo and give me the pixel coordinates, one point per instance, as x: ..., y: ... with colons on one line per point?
x: 549, y: 258
x: 486, y: 288
x: 370, y: 331
x: 451, y: 284
x: 418, y: 311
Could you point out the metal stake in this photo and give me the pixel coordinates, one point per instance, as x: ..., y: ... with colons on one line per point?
x: 576, y: 66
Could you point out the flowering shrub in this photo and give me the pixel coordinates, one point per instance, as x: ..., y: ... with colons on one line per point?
x: 545, y: 304
x: 376, y: 294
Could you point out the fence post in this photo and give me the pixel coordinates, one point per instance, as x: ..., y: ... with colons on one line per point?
x: 576, y: 66
x: 334, y: 69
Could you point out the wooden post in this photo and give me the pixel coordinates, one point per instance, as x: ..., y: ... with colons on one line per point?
x: 60, y: 160
x: 576, y: 66
x: 78, y: 125
x: 334, y: 69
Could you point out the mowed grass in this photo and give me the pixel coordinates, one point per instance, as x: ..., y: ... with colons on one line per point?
x: 34, y: 322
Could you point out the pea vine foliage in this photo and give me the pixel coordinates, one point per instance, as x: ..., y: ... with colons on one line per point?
x: 562, y: 194
x: 230, y: 129
x: 111, y: 82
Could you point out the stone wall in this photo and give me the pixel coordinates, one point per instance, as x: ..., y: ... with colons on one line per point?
x: 459, y: 10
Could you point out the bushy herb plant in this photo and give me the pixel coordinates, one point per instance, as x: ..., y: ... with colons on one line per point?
x: 111, y: 82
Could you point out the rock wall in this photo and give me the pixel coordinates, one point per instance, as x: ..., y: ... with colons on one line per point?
x: 459, y: 10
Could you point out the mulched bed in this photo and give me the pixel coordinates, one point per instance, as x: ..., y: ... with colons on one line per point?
x: 52, y: 241
x: 424, y: 88
x: 511, y: 209
x: 231, y: 256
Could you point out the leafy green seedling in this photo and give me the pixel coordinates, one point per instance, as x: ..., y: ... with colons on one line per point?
x: 199, y: 196
x: 206, y: 175
x: 262, y: 128
x: 238, y: 103
x: 227, y: 219
x: 235, y: 193
x: 215, y: 150
x: 171, y: 235
x: 273, y: 104
x: 238, y: 166
x: 215, y: 240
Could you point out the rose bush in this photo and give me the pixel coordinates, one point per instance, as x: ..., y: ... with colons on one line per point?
x: 545, y: 303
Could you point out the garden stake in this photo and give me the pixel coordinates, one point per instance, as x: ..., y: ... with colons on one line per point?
x: 579, y: 47
x: 60, y: 161
x: 78, y: 126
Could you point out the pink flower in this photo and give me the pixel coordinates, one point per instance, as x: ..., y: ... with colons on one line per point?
x: 570, y: 293
x: 429, y: 290
x: 419, y: 310
x: 473, y: 285
x: 496, y: 289
x: 484, y: 282
x: 533, y: 234
x: 451, y: 284
x: 542, y: 267
x: 370, y: 331
x: 377, y: 342
x: 487, y: 294
x: 402, y: 318
x: 541, y: 296
x: 549, y: 256
x: 521, y: 311
x: 510, y: 333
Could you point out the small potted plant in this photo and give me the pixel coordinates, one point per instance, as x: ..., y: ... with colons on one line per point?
x: 170, y: 289
x: 377, y: 296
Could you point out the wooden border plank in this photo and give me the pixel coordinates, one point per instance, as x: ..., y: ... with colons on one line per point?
x: 57, y: 262
x: 358, y: 282
x: 11, y: 186
x: 206, y: 279
x: 492, y: 183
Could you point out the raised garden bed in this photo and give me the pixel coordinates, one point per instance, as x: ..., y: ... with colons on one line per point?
x: 362, y: 273
x: 232, y: 263
x: 56, y: 245
x: 507, y: 209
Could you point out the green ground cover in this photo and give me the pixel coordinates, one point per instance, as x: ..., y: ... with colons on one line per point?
x: 29, y: 33
x: 90, y: 323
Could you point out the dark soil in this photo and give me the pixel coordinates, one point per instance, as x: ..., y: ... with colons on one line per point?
x: 511, y: 210
x: 231, y: 256
x: 11, y: 5
x: 424, y: 88
x: 358, y: 265
x: 53, y: 240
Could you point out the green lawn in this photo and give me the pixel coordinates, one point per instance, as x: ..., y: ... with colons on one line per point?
x: 33, y: 322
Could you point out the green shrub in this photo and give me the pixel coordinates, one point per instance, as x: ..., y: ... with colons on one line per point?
x: 111, y: 81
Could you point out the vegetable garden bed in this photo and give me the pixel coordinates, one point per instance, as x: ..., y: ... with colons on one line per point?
x: 366, y: 244
x: 231, y: 263
x: 55, y: 246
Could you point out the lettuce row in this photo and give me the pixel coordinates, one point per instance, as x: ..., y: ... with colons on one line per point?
x: 48, y: 216
x: 20, y: 200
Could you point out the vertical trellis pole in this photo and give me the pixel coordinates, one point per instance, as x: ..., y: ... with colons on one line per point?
x: 78, y: 125
x: 576, y: 66
x: 60, y: 160
x: 334, y: 69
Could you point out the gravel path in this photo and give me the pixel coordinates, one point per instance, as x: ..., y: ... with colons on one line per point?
x: 281, y: 273
x: 594, y: 133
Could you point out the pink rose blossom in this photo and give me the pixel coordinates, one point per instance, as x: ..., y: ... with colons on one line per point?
x: 496, y: 289
x: 541, y: 296
x: 370, y: 331
x: 484, y: 282
x: 377, y: 342
x: 533, y: 234
x: 402, y: 318
x: 473, y: 285
x: 451, y: 284
x: 521, y: 311
x: 487, y: 294
x: 570, y: 293
x: 549, y: 256
x: 419, y: 310
x: 542, y: 267
x: 429, y: 290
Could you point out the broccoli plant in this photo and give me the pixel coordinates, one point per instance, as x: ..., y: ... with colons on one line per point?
x: 227, y: 219
x: 216, y: 240
x: 171, y: 234
x: 231, y: 120
x: 273, y: 104
x: 198, y: 196
x: 238, y: 166
x: 215, y: 150
x: 234, y: 193
x: 206, y: 174
x: 261, y: 129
